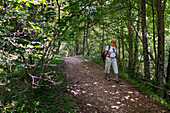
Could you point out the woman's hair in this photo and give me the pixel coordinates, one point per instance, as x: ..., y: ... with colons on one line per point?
x: 113, y: 40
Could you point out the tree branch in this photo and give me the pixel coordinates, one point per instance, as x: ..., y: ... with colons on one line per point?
x: 154, y: 86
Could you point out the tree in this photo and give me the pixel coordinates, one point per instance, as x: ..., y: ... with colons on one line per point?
x: 34, y: 33
x: 145, y: 42
x: 161, y: 42
x: 168, y: 69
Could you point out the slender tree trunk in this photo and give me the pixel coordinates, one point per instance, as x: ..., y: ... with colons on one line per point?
x: 136, y: 46
x: 77, y: 46
x: 168, y: 69
x: 59, y: 14
x: 153, y: 21
x: 87, y: 44
x: 119, y: 49
x: 154, y: 42
x: 123, y: 54
x: 161, y: 39
x: 145, y: 42
x: 168, y: 77
x: 84, y: 38
x: 130, y: 65
x: 102, y: 43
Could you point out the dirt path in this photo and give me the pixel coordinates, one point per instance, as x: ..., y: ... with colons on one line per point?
x: 86, y: 81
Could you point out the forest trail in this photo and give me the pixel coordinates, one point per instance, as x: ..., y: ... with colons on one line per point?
x: 94, y: 94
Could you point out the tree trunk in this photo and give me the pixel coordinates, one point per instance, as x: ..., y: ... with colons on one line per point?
x: 168, y: 69
x: 153, y: 21
x: 145, y: 43
x: 84, y: 38
x: 161, y: 39
x: 77, y: 46
x: 150, y: 54
x: 154, y: 42
x: 87, y: 45
x: 168, y: 78
x: 136, y: 46
x: 130, y: 65
x: 102, y: 43
x: 123, y: 53
x: 119, y: 49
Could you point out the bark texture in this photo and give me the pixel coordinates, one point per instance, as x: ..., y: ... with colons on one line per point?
x: 145, y: 42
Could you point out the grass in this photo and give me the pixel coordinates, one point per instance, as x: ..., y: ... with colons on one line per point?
x: 143, y: 87
x: 17, y: 97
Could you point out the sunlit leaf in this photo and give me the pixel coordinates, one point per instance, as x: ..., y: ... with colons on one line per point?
x: 49, y: 38
x: 38, y: 52
x: 28, y: 4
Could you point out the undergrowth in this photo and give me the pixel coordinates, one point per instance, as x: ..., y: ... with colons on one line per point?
x: 16, y: 96
x: 143, y: 87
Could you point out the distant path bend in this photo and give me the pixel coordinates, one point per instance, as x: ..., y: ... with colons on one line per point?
x: 86, y: 81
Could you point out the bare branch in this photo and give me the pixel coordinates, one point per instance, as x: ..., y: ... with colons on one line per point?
x: 48, y: 73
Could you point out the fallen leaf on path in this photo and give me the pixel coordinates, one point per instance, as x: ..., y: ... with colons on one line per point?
x: 115, y: 107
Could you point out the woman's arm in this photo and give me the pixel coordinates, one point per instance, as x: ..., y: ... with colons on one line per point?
x: 106, y: 53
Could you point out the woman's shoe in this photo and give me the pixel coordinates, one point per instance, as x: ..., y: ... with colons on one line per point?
x: 108, y: 78
x: 117, y: 80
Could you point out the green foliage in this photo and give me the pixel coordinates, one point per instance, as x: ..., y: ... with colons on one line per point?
x: 42, y: 100
x: 17, y: 96
x: 31, y: 32
x: 167, y: 85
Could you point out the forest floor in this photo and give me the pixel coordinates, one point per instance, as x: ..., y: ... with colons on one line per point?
x: 94, y: 94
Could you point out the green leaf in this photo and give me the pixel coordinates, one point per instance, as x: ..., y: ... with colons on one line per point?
x: 1, y: 29
x: 21, y: 50
x: 2, y: 34
x: 44, y: 37
x: 36, y: 30
x: 57, y: 56
x: 28, y: 4
x: 38, y: 52
x: 49, y: 38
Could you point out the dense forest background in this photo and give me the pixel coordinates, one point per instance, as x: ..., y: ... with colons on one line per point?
x: 34, y: 34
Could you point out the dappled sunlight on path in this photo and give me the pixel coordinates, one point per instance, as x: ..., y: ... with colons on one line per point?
x: 86, y: 82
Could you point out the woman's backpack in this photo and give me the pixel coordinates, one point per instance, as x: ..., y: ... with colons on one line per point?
x: 103, y: 56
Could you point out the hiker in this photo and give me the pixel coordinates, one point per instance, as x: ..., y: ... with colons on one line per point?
x: 111, y: 59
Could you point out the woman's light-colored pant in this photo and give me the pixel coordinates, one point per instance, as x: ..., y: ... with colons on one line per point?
x: 108, y: 63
